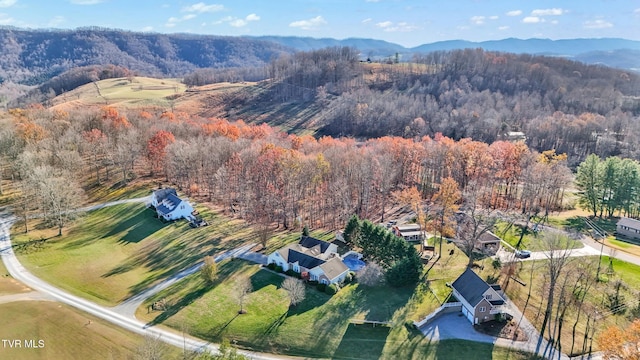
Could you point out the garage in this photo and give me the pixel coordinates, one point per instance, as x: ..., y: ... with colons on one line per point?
x: 467, y: 314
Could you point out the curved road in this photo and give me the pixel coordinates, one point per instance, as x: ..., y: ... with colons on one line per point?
x: 18, y: 272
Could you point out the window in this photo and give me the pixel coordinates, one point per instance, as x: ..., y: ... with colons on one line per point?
x: 483, y: 309
x: 488, y: 297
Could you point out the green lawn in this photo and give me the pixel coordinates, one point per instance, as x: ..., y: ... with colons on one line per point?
x: 320, y: 326
x: 531, y: 241
x: 65, y: 332
x: 115, y: 252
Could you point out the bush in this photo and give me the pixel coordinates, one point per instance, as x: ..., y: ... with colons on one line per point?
x: 348, y: 278
x: 279, y: 269
x: 291, y: 272
x: 271, y: 266
x: 321, y: 287
x: 313, y: 282
x: 331, y: 289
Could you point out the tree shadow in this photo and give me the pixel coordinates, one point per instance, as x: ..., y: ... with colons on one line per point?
x: 182, y: 303
x: 362, y: 342
x: 216, y: 334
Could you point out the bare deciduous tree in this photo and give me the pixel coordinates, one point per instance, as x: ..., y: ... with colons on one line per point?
x: 370, y: 275
x: 295, y: 289
x: 241, y: 289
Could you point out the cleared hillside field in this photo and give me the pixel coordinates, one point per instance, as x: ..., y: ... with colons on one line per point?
x: 64, y: 333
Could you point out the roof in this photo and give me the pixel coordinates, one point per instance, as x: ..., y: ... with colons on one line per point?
x: 488, y: 237
x: 408, y: 227
x: 309, y: 243
x: 303, y: 260
x: 631, y: 223
x: 162, y: 194
x: 470, y: 286
x: 333, y: 268
x: 168, y: 204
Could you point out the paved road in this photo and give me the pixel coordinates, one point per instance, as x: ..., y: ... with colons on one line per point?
x: 507, y: 256
x: 19, y: 273
x: 129, y: 306
x: 28, y: 296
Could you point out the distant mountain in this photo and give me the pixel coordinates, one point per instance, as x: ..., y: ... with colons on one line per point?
x: 33, y: 56
x: 620, y: 53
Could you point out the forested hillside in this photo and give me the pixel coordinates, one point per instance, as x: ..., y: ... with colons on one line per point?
x: 559, y: 104
x: 33, y: 56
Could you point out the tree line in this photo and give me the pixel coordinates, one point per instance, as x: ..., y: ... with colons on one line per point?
x: 271, y: 178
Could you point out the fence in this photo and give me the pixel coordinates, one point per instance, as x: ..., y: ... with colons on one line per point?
x: 445, y: 308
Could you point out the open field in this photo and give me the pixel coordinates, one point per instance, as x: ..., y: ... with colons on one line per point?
x: 9, y: 285
x: 66, y: 333
x: 115, y: 252
x: 320, y: 325
x: 139, y: 92
x: 595, y: 301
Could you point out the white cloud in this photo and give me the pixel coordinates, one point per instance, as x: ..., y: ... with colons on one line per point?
x: 494, y: 17
x: 173, y: 21
x: 6, y: 20
x: 85, y: 2
x: 7, y: 3
x: 514, y: 13
x: 238, y: 23
x: 56, y: 20
x: 252, y: 17
x: 532, y: 20
x: 478, y: 20
x: 389, y: 26
x: 367, y: 20
x: 637, y: 11
x: 147, y: 28
x: 203, y: 8
x: 503, y: 28
x: 548, y: 12
x: 309, y: 24
x: 372, y: 1
x: 597, y: 24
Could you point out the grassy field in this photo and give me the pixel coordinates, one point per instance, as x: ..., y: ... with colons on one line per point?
x: 531, y: 241
x: 115, y: 252
x: 594, y: 303
x: 140, y: 92
x: 9, y: 285
x: 320, y: 325
x: 65, y: 332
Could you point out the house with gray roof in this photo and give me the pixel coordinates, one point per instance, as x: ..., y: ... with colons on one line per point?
x: 317, y: 259
x: 169, y: 206
x: 628, y: 228
x: 480, y: 301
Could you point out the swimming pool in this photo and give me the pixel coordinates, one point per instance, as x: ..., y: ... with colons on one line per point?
x: 353, y: 263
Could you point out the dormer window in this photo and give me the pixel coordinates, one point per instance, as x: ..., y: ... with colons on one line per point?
x: 488, y: 296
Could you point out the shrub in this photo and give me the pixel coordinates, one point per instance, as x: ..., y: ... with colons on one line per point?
x: 291, y: 272
x: 348, y: 278
x: 321, y: 287
x: 313, y: 282
x: 279, y: 269
x: 331, y: 289
x: 271, y: 266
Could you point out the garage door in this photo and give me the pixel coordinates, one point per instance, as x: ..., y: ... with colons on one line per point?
x: 468, y: 314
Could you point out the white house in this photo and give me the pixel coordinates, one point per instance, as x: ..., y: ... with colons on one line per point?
x: 409, y: 232
x: 316, y: 258
x: 169, y: 206
x: 480, y: 301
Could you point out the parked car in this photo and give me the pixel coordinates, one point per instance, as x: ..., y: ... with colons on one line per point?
x: 523, y: 254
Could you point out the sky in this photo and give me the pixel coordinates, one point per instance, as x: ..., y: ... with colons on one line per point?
x: 405, y: 22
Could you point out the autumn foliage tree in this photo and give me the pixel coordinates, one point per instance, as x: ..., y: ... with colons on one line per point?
x: 156, y: 149
x: 621, y: 344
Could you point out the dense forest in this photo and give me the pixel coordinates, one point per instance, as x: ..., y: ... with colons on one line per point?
x: 559, y: 104
x: 266, y: 176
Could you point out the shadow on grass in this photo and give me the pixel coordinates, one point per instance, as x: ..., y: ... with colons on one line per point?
x: 225, y: 270
x: 362, y: 342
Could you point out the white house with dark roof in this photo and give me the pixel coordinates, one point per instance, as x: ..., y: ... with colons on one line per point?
x: 629, y: 228
x: 319, y: 259
x: 409, y: 232
x: 169, y: 206
x: 480, y: 301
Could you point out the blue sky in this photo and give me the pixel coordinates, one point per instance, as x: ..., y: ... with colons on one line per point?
x: 406, y: 22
